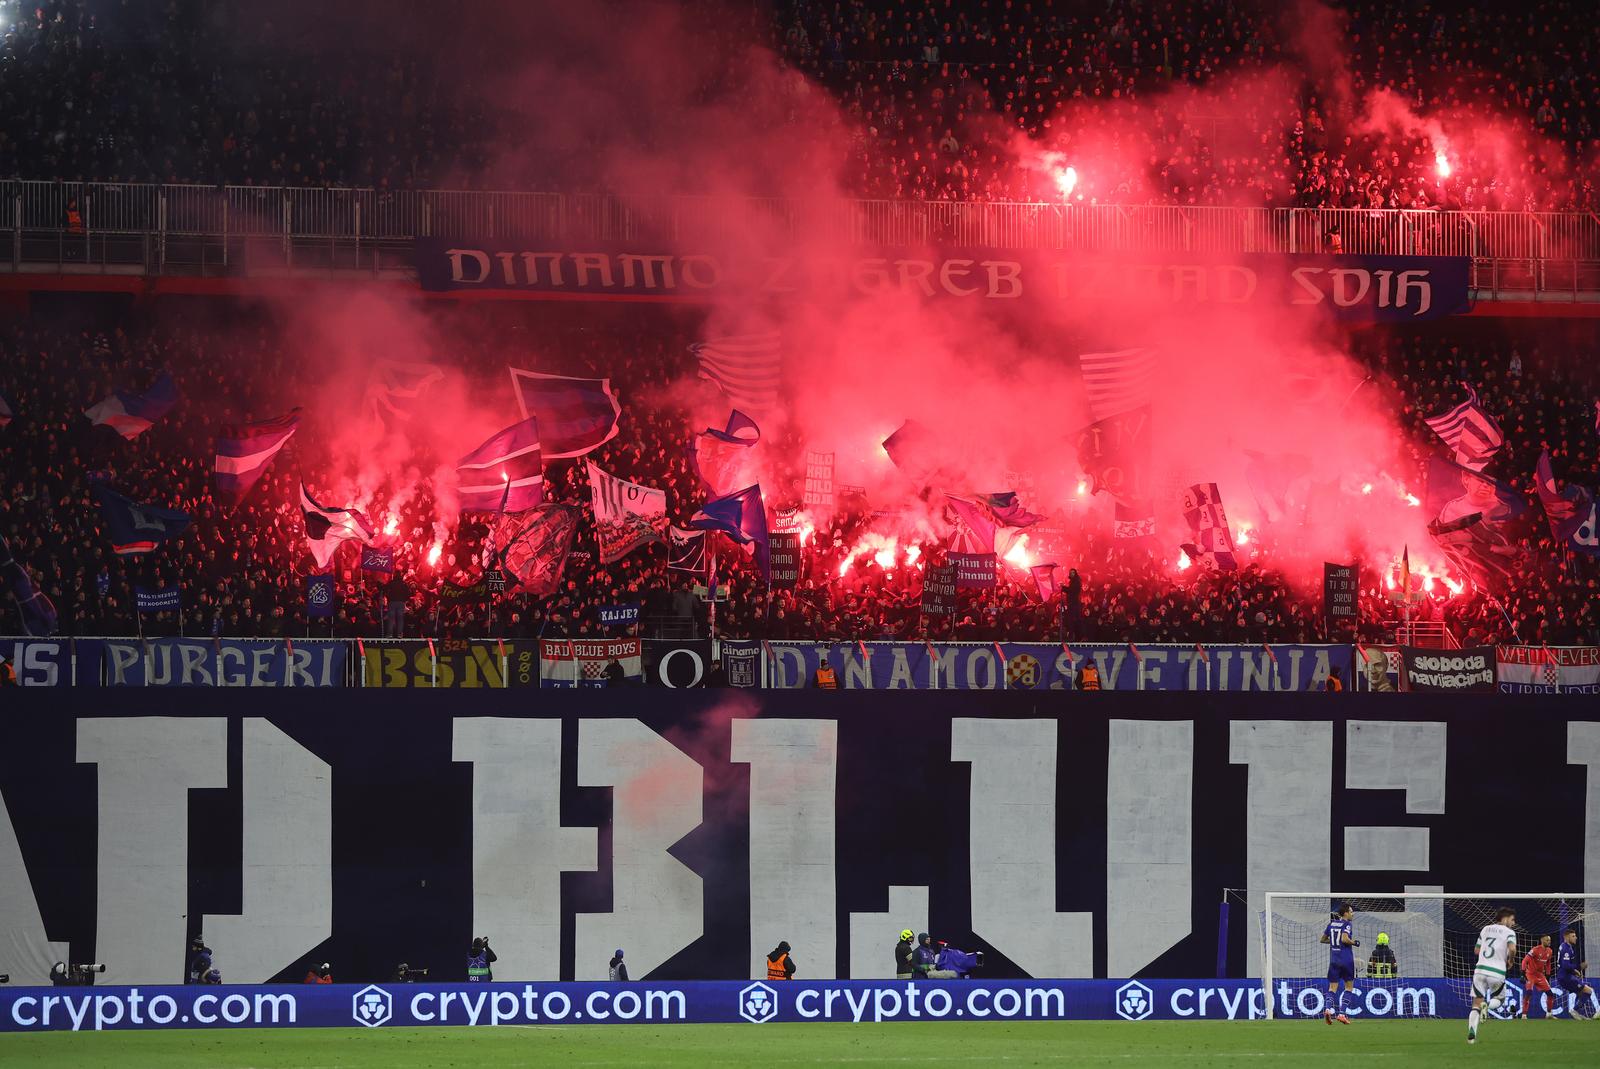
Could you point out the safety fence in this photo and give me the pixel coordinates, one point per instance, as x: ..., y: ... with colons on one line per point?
x: 215, y: 229
x: 448, y: 663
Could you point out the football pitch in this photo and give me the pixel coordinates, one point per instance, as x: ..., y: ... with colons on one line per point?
x: 1256, y: 1043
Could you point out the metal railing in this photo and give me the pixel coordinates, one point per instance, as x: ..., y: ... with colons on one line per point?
x: 183, y: 228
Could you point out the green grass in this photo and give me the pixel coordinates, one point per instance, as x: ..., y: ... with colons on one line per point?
x: 1211, y: 1043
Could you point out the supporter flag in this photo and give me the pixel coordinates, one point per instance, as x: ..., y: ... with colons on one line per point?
x: 7, y: 412
x: 787, y: 521
x: 319, y: 596
x: 748, y: 368
x: 1009, y: 511
x: 1044, y: 578
x: 687, y: 550
x: 537, y: 543
x: 327, y: 529
x: 136, y: 527
x: 1118, y: 382
x: 244, y: 451
x: 626, y: 515
x: 976, y: 528
x: 719, y: 456
x: 505, y: 473
x: 166, y: 599
x: 37, y: 611
x: 1115, y: 454
x: 1572, y: 511
x: 131, y: 414
x: 922, y: 454
x: 377, y: 560
x: 1470, y: 431
x: 742, y: 517
x: 397, y: 389
x: 575, y: 415
x: 1136, y: 521
x: 1212, y: 547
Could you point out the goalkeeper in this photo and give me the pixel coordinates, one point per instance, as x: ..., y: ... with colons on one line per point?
x: 1382, y: 964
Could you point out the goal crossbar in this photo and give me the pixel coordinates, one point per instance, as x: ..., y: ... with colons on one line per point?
x: 1269, y: 898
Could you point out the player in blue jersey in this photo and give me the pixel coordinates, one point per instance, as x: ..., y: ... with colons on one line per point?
x: 1570, y: 968
x: 1341, y: 940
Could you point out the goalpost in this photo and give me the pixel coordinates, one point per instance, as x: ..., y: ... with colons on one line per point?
x: 1432, y: 935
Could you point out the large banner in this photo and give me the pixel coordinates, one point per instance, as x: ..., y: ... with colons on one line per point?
x: 212, y: 662
x: 583, y: 662
x: 1456, y: 670
x: 41, y: 662
x: 1404, y: 288
x: 1040, y: 666
x: 678, y: 664
x: 1549, y: 669
x: 698, y: 828
x: 492, y: 1005
x: 449, y: 663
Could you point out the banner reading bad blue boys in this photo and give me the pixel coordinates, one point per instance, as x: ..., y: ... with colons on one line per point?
x: 1401, y: 288
x: 211, y: 662
x: 1040, y: 666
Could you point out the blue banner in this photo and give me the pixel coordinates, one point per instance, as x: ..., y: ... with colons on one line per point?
x: 319, y: 596
x: 167, y: 599
x: 39, y: 662
x: 1041, y: 666
x: 624, y: 615
x: 209, y: 662
x: 394, y: 1005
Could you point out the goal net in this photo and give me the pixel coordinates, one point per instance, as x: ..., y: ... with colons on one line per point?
x: 1426, y: 966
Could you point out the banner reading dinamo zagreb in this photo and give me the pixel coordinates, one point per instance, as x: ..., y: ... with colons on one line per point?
x: 1041, y: 666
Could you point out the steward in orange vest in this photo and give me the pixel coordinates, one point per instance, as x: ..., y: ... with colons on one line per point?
x: 780, y: 966
x: 825, y: 677
x: 1089, y: 676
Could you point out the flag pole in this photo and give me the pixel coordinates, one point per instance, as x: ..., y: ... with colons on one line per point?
x: 711, y: 590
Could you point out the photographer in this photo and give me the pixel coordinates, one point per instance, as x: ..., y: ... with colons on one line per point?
x: 405, y: 974
x: 323, y: 975
x: 478, y: 961
x: 199, y: 960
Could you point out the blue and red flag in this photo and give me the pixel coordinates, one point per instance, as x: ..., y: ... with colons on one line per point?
x: 505, y: 473
x: 244, y: 452
x: 135, y: 527
x: 575, y: 415
x: 741, y: 516
x: 718, y: 456
x: 131, y: 414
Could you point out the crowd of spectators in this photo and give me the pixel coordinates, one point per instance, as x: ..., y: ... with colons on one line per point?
x: 242, y: 568
x: 1181, y: 101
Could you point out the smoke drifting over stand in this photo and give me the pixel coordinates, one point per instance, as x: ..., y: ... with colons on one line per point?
x: 643, y: 100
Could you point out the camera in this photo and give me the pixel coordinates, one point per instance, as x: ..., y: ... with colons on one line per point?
x: 405, y: 974
x: 75, y: 975
x: 5, y: 978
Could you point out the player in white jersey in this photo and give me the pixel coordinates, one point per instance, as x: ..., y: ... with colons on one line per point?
x: 1497, y: 945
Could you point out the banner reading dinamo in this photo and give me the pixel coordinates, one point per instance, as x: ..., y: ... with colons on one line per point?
x: 1403, y: 288
x: 450, y: 663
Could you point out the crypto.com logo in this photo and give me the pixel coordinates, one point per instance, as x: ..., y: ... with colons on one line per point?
x: 758, y: 1003
x: 372, y: 1006
x: 1134, y: 1001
